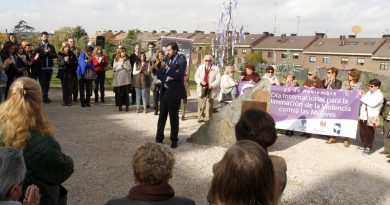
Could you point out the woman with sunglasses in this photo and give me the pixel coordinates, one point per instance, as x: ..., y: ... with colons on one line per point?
x: 270, y: 75
x: 332, y: 83
x: 312, y: 80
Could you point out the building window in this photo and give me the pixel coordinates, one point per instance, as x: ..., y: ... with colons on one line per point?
x: 284, y: 55
x: 384, y: 66
x: 344, y: 61
x: 312, y: 59
x: 243, y: 51
x: 326, y: 60
x: 270, y: 54
x: 295, y: 55
x: 360, y: 61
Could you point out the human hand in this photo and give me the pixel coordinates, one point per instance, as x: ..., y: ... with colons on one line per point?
x: 36, y: 56
x: 242, y: 77
x: 66, y: 58
x: 8, y: 62
x: 203, y: 82
x: 32, y: 196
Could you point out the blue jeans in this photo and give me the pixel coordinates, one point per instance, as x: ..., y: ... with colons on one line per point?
x: 44, y: 79
x: 140, y: 92
x: 2, y: 94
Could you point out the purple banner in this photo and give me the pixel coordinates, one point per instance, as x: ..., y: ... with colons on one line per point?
x: 297, y: 102
x: 318, y: 111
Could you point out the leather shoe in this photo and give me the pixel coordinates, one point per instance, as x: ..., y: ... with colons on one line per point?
x: 383, y: 152
x: 174, y: 145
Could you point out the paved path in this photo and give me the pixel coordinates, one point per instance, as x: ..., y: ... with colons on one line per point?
x: 102, y: 140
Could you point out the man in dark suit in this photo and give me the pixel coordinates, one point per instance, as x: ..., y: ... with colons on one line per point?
x: 171, y: 92
x: 47, y: 54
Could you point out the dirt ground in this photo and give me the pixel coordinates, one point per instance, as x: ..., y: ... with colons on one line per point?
x: 101, y: 140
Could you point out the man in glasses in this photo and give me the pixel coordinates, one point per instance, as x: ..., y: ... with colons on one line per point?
x: 207, y: 78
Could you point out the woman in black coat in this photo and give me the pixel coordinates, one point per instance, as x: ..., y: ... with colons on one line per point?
x: 66, y: 61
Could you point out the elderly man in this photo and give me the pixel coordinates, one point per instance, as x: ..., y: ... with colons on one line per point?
x: 12, y: 172
x: 207, y: 78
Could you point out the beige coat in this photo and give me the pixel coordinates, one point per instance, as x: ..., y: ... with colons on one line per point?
x: 122, y: 73
x: 214, y: 80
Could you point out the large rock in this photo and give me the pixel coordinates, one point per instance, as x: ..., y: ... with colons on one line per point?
x: 219, y: 130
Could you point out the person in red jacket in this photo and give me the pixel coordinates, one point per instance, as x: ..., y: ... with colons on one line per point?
x: 99, y: 61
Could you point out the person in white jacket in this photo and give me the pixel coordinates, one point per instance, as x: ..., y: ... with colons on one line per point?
x: 371, y: 106
x: 228, y: 85
x: 207, y: 78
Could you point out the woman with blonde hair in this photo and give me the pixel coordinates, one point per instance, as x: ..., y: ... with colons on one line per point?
x: 228, y: 86
x: 122, y: 79
x: 66, y: 60
x: 23, y: 125
x: 250, y: 179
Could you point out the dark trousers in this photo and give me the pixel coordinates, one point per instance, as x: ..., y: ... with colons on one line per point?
x: 122, y: 95
x: 133, y: 95
x: 44, y: 81
x: 67, y: 88
x: 386, y: 133
x: 366, y: 134
x: 85, y: 88
x: 75, y: 87
x: 168, y: 105
x: 156, y: 97
x: 99, y: 82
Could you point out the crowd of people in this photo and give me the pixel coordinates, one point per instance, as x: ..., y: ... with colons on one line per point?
x: 33, y: 167
x: 35, y: 175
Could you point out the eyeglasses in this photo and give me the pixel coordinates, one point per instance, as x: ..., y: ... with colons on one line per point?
x: 207, y: 60
x: 371, y: 86
x: 309, y: 74
x: 329, y: 72
x: 270, y: 71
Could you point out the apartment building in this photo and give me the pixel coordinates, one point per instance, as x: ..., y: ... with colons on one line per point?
x: 246, y: 46
x: 381, y: 58
x: 344, y: 53
x: 284, y: 49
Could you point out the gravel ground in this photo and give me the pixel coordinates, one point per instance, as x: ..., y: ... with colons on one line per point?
x: 102, y: 140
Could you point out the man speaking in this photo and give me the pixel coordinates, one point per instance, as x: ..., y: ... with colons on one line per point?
x: 171, y: 92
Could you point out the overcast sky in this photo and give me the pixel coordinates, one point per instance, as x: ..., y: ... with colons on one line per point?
x: 333, y: 17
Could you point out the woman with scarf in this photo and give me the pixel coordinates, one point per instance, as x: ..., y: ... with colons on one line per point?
x: 152, y: 167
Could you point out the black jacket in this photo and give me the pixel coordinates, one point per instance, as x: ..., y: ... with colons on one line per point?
x: 172, y: 201
x: 47, y: 167
x: 49, y: 56
x: 66, y: 67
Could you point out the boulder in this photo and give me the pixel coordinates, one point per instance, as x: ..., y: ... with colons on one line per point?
x: 219, y: 130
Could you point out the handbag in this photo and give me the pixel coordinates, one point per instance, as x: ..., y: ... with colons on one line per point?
x: 90, y: 74
x: 227, y: 96
x: 205, y: 91
x: 372, y: 121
